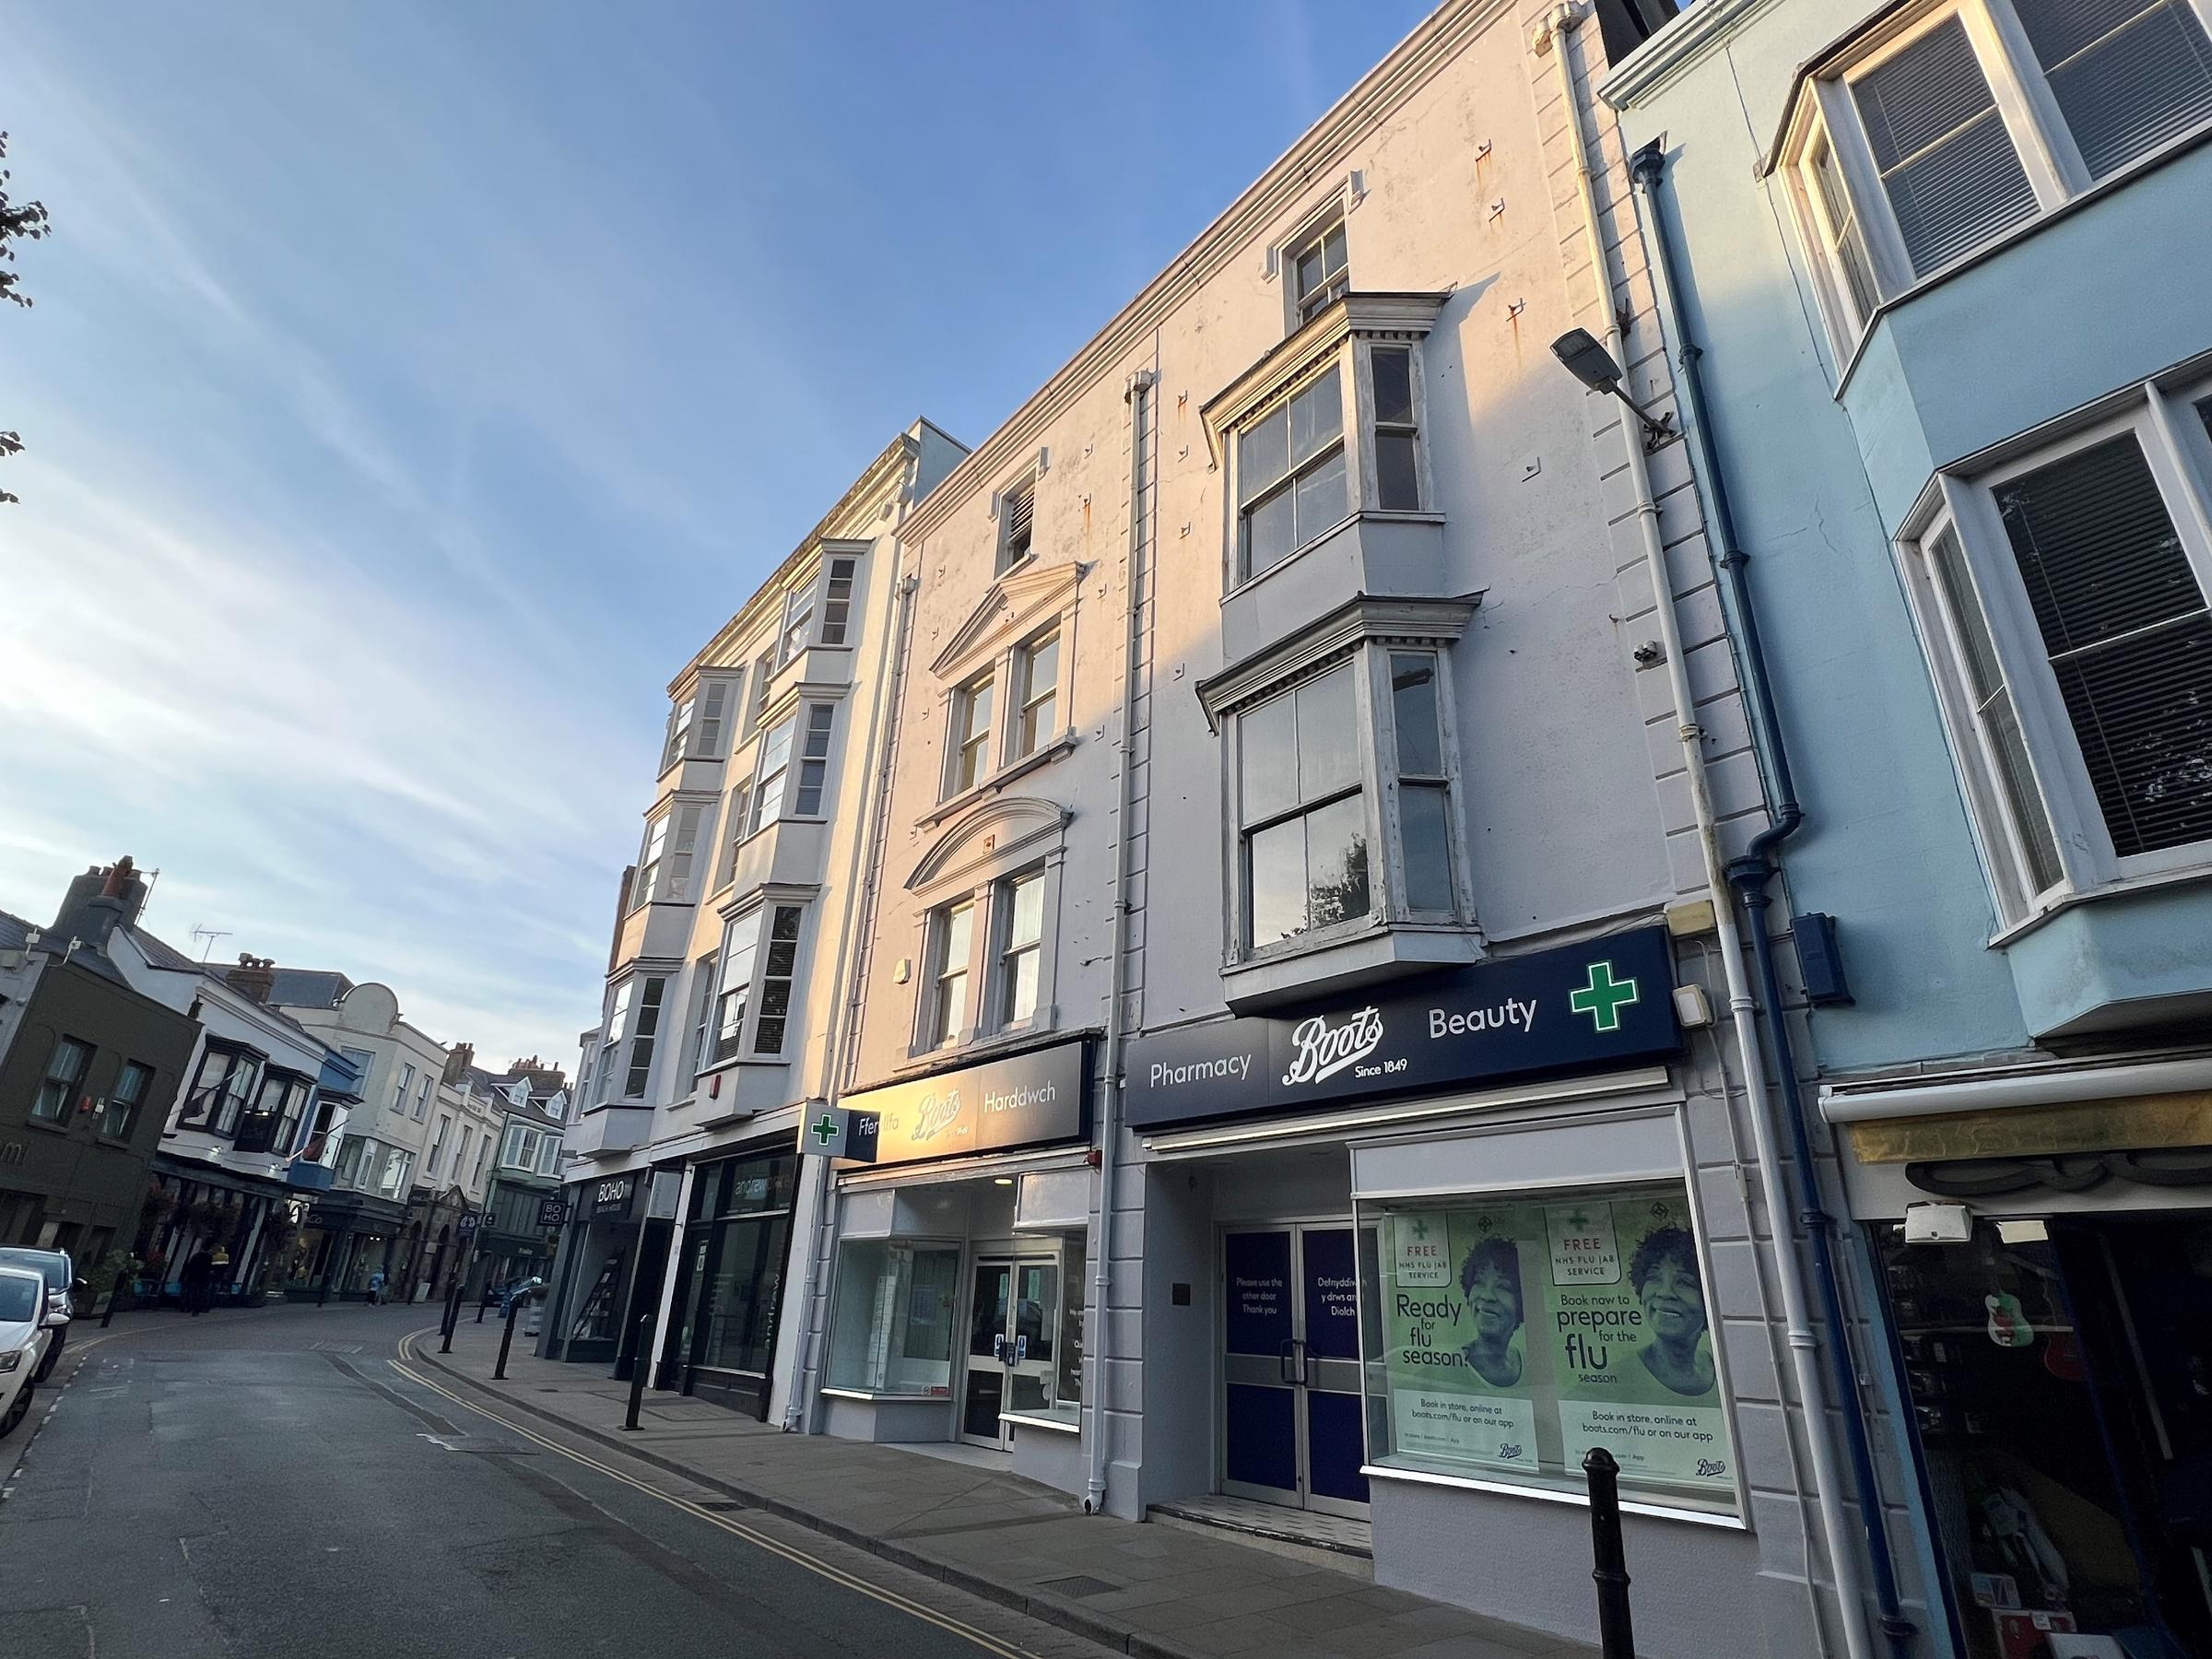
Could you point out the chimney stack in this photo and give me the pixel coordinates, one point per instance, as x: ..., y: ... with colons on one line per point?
x: 254, y: 976
x: 97, y: 903
x: 458, y: 1059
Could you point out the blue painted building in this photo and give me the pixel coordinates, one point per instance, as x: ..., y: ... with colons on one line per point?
x: 1946, y: 268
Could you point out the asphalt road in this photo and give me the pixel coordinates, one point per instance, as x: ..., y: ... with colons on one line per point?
x: 269, y: 1484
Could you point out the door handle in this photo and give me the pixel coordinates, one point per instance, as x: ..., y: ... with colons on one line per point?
x: 998, y: 1348
x: 1287, y: 1355
x: 1021, y: 1348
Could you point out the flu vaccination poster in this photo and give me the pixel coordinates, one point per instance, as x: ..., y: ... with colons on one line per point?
x: 1523, y: 1334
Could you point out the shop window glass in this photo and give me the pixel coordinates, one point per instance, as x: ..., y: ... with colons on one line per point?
x: 1068, y: 1386
x: 893, y: 1328
x: 2060, y: 1374
x: 1513, y: 1335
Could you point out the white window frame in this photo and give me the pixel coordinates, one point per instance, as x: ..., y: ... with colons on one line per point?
x: 1353, y: 360
x: 1026, y: 698
x: 961, y: 736
x: 772, y: 772
x: 2175, y: 446
x: 548, y: 1153
x: 942, y: 1026
x: 836, y: 611
x: 749, y: 942
x: 442, y: 1127
x: 678, y: 743
x: 399, y: 1091
x: 1004, y: 950
x: 73, y: 1083
x: 1307, y: 305
x: 1374, y: 720
x: 2032, y: 120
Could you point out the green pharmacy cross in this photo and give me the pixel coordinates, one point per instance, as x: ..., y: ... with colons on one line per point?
x: 825, y: 1129
x: 1603, y: 997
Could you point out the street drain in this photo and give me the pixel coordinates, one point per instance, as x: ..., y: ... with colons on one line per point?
x: 1082, y: 1585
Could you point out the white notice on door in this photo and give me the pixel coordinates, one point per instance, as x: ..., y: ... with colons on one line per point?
x: 1424, y: 1257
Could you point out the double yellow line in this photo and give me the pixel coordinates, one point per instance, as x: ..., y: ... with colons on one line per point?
x: 775, y: 1547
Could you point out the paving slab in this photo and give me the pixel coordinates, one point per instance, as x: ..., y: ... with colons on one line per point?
x: 1171, y: 1593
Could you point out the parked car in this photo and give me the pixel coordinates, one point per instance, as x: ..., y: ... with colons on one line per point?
x: 26, y: 1334
x: 62, y: 1288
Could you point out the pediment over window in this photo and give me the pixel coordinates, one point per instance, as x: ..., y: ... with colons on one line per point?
x: 1009, y: 830
x: 1011, y: 606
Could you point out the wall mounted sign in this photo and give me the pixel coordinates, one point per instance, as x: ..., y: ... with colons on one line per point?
x: 1032, y: 1099
x: 610, y: 1198
x: 1581, y: 1008
x: 552, y: 1212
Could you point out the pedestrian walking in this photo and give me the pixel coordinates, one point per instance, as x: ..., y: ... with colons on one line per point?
x: 376, y: 1285
x: 193, y: 1280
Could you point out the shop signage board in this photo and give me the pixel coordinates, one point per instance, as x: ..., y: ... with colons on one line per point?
x: 840, y: 1132
x: 552, y: 1212
x: 609, y: 1200
x: 1581, y: 1008
x: 1029, y: 1099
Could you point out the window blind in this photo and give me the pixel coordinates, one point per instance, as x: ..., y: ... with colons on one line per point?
x: 2128, y: 75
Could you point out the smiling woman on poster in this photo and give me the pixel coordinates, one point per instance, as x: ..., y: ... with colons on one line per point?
x: 1491, y: 1280
x: 1665, y: 1273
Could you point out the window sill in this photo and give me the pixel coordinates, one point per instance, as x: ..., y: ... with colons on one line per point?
x: 2120, y: 886
x: 885, y: 1394
x: 1031, y: 1419
x: 2141, y: 167
x: 978, y: 1049
x: 1633, y: 1506
x: 47, y: 1125
x: 1246, y: 583
x: 1044, y: 754
x: 1346, y: 957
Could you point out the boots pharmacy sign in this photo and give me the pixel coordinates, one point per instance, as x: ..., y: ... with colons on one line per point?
x: 1583, y: 1007
x: 1030, y: 1100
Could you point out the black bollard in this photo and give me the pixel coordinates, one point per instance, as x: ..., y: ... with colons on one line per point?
x: 453, y: 1318
x: 1616, y: 1635
x: 483, y: 1302
x: 514, y: 1306
x: 114, y: 1297
x: 637, y: 1371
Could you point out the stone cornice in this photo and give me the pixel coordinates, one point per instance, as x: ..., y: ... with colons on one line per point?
x: 1430, y: 621
x: 1281, y: 190
x: 1674, y: 49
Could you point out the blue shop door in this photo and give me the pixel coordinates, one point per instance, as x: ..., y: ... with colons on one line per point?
x: 1329, y: 1370
x: 1291, y: 1418
x: 1260, y: 1395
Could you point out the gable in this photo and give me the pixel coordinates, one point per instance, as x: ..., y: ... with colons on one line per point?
x: 1009, y: 607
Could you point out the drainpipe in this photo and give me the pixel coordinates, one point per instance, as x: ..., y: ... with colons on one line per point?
x: 1139, y: 398
x: 1557, y: 33
x: 890, y: 675
x: 1750, y: 875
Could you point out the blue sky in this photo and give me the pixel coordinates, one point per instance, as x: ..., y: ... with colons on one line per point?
x: 411, y: 389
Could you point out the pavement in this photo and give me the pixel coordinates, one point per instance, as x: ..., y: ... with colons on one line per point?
x: 1142, y: 1589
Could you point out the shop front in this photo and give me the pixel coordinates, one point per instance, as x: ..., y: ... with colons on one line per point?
x: 959, y: 1288
x: 1410, y: 1256
x: 733, y: 1257
x: 2043, y: 1247
x: 599, y: 1266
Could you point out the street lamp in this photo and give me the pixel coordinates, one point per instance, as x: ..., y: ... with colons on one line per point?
x: 1582, y: 356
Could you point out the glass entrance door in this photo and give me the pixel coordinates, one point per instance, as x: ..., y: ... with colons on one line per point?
x: 1013, y: 1316
x: 1290, y: 1416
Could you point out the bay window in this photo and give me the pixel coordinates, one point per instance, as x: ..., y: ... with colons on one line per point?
x: 643, y: 1038
x: 773, y: 768
x: 220, y: 1088
x: 1290, y: 479
x: 758, y: 970
x: 2063, y: 600
x: 1342, y: 771
x: 814, y: 760
x: 680, y: 732
x: 1302, y: 819
x: 633, y: 1027
x: 702, y: 1019
x: 837, y: 601
x: 1950, y: 127
x: 666, y: 860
